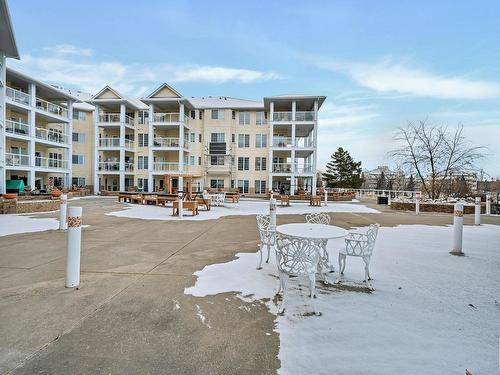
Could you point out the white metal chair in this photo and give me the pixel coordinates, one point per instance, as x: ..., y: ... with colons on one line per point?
x: 296, y: 256
x: 359, y: 245
x: 318, y: 218
x: 220, y: 199
x: 267, y: 236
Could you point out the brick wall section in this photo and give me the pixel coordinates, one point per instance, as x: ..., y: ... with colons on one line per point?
x: 433, y: 207
x: 14, y: 206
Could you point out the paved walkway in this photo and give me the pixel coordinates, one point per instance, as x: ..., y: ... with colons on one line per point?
x: 131, y: 315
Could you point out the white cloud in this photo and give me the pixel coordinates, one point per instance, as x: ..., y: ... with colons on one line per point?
x: 388, y: 77
x: 338, y: 115
x: 70, y: 66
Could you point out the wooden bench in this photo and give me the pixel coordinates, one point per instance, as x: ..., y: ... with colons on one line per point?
x: 207, y: 202
x: 165, y: 200
x: 315, y: 201
x: 136, y: 199
x: 150, y: 199
x: 285, y: 200
x: 124, y: 197
x: 235, y: 198
x: 186, y: 205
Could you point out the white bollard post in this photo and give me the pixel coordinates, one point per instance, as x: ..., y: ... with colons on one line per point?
x: 74, y: 247
x: 417, y: 206
x: 389, y: 199
x: 179, y: 205
x: 326, y: 198
x: 458, y: 229
x: 488, y: 204
x: 477, y: 211
x: 63, y: 210
x: 272, y: 213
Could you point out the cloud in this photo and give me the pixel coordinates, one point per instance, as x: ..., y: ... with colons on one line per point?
x: 389, y: 77
x: 339, y: 115
x: 74, y: 67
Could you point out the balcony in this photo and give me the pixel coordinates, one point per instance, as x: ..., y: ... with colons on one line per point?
x: 165, y: 166
x: 51, y: 108
x: 129, y: 167
x: 17, y: 127
x: 129, y: 144
x: 281, y: 141
x: 17, y: 160
x: 168, y: 142
x: 282, y: 168
x: 18, y: 96
x: 282, y: 116
x: 50, y: 163
x: 110, y: 118
x: 302, y: 142
x: 109, y: 166
x: 301, y: 169
x: 165, y: 117
x: 51, y: 136
x: 304, y: 116
x: 109, y: 142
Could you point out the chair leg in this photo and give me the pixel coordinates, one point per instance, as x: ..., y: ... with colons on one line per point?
x: 283, y: 281
x: 367, y: 268
x: 312, y: 290
x: 268, y: 252
x: 260, y: 252
x: 342, y: 261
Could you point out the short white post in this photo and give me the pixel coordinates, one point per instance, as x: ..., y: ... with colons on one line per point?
x: 179, y: 205
x: 458, y: 229
x: 272, y: 213
x: 417, y: 202
x: 326, y: 198
x: 389, y: 199
x: 477, y: 211
x: 488, y: 204
x: 74, y: 247
x: 63, y: 210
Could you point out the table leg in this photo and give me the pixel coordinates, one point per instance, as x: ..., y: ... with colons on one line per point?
x: 324, y: 265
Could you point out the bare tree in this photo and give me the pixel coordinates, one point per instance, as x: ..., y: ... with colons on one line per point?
x: 435, y: 154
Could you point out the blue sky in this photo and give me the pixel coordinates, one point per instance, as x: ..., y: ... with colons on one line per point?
x: 381, y: 64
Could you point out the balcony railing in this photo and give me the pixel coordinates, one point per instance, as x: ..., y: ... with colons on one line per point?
x: 282, y: 168
x: 166, y: 166
x: 18, y: 96
x: 304, y: 116
x: 129, y: 143
x: 280, y: 141
x: 282, y: 116
x: 166, y: 117
x: 129, y: 120
x: 306, y: 168
x: 50, y: 163
x: 52, y: 108
x: 50, y: 135
x: 17, y: 127
x: 109, y: 117
x: 129, y: 167
x: 109, y: 142
x: 17, y: 160
x: 303, y: 142
x: 166, y: 142
x: 112, y: 166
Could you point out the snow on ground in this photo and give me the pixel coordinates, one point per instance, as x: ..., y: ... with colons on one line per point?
x: 430, y: 313
x: 245, y: 207
x: 13, y: 224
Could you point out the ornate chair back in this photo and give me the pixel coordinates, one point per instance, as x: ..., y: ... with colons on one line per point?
x: 371, y: 234
x: 263, y: 224
x: 318, y: 218
x: 296, y: 256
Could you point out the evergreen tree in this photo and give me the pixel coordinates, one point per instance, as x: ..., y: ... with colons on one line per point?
x: 381, y: 181
x: 342, y: 171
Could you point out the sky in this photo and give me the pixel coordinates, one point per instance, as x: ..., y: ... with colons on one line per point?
x: 381, y: 64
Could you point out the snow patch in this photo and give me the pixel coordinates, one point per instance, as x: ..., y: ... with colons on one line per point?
x: 15, y: 224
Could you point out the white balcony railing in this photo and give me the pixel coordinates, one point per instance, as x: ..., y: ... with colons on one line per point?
x: 51, y: 135
x: 165, y: 117
x: 17, y: 96
x: 166, y: 142
x: 129, y: 120
x: 282, y: 168
x: 109, y: 117
x: 129, y: 167
x: 304, y: 142
x: 282, y: 116
x: 109, y: 142
x: 281, y: 141
x: 52, y: 108
x: 111, y: 166
x: 129, y: 143
x: 304, y: 116
x: 165, y: 166
x: 17, y: 160
x: 17, y: 127
x: 306, y: 168
x: 50, y: 163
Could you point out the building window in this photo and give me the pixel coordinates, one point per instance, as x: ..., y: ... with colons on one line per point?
x: 217, y: 184
x: 244, y: 118
x: 78, y: 159
x: 193, y: 114
x: 142, y: 184
x: 191, y: 160
x: 199, y: 137
x: 216, y: 160
x: 200, y: 114
x: 78, y: 181
x: 233, y: 115
x: 260, y: 186
x: 243, y: 140
x: 143, y: 139
x: 217, y: 137
x: 79, y: 115
x: 78, y: 137
x: 243, y: 186
x: 199, y: 160
x: 192, y: 137
x: 261, y: 140
x: 260, y: 118
x: 260, y: 164
x: 217, y: 114
x: 143, y: 117
x: 142, y: 162
x: 243, y: 163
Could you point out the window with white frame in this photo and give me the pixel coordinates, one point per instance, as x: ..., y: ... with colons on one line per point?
x: 78, y: 137
x: 199, y: 137
x: 192, y: 137
x: 142, y: 184
x: 260, y: 118
x: 243, y: 140
x: 78, y: 181
x: 243, y: 163
x: 78, y: 159
x: 143, y: 139
x: 217, y: 137
x: 260, y: 163
x: 260, y: 186
x: 199, y: 160
x: 79, y: 115
x: 217, y: 114
x: 191, y: 160
x: 243, y: 186
x: 216, y: 160
x: 217, y: 184
x: 143, y: 117
x: 261, y: 140
x: 142, y: 162
x: 244, y: 118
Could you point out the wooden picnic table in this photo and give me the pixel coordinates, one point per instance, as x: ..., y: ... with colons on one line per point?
x: 187, y: 205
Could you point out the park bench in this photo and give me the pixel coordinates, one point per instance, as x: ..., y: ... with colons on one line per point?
x: 187, y: 205
x: 285, y: 200
x: 136, y: 199
x: 207, y: 202
x: 150, y: 199
x: 315, y: 200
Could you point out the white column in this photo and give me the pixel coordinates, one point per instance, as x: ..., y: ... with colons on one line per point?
x: 122, y: 146
x: 181, y: 145
x: 96, y: 150
x: 74, y: 247
x: 315, y: 156
x: 293, y: 184
x: 3, y: 150
x: 63, y: 212
x: 458, y: 229
x: 179, y: 205
x: 417, y: 205
x: 294, y: 109
x: 151, y: 137
x: 69, y: 132
x: 271, y: 143
x: 32, y: 130
x: 477, y: 211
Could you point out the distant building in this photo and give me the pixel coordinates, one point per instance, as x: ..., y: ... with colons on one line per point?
x: 395, y: 178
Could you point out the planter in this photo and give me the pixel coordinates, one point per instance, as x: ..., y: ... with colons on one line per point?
x: 10, y: 196
x: 55, y: 193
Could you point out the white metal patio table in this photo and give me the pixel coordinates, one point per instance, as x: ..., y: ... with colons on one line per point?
x: 318, y: 233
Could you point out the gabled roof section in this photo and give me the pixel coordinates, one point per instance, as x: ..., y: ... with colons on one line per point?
x: 107, y: 93
x: 164, y: 91
x: 7, y: 39
x: 110, y: 95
